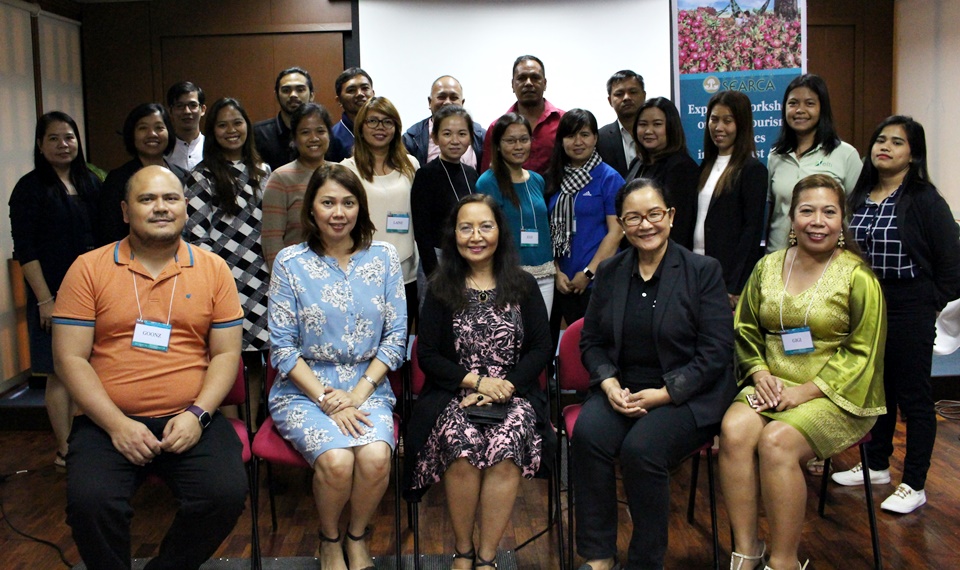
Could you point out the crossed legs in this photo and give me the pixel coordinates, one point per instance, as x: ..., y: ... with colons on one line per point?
x: 492, y: 492
x: 356, y: 475
x: 758, y: 454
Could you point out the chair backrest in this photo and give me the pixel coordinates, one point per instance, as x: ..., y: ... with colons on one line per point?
x: 238, y: 393
x: 417, y: 377
x: 270, y: 377
x: 571, y: 375
x: 396, y: 382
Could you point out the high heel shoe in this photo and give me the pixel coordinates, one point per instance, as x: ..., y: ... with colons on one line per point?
x: 481, y: 563
x: 363, y: 536
x: 470, y: 555
x: 799, y: 566
x: 755, y: 561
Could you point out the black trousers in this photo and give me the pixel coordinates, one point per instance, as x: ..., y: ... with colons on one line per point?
x: 208, y: 480
x: 569, y: 307
x: 648, y: 448
x: 911, y: 330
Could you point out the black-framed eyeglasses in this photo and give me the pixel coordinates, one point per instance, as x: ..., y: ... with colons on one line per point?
x: 374, y: 122
x: 653, y: 216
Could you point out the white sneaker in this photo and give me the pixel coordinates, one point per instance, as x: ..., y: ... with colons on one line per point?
x: 855, y: 476
x: 904, y: 500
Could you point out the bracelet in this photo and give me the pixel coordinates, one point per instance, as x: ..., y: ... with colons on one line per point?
x: 50, y: 300
x: 371, y: 381
x: 477, y: 387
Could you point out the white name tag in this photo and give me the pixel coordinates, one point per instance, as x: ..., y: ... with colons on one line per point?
x: 529, y: 238
x: 574, y: 226
x: 398, y: 222
x: 797, y: 341
x: 152, y: 336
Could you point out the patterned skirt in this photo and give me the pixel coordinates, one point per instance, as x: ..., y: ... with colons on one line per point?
x: 454, y: 436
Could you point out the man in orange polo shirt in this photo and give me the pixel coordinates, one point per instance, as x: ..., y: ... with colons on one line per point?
x: 146, y: 337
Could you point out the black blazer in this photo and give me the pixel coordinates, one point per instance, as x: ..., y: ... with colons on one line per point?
x: 734, y: 225
x: 440, y: 363
x: 929, y: 234
x: 610, y: 148
x: 679, y: 175
x: 692, y: 328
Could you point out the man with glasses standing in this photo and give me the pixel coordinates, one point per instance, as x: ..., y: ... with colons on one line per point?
x: 185, y: 102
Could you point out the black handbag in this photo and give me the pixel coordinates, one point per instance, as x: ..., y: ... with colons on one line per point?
x: 490, y: 415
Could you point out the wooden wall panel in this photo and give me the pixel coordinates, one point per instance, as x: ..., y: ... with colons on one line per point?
x: 838, y: 46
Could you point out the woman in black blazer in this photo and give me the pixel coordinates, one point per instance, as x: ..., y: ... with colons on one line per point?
x: 657, y: 341
x: 732, y: 191
x: 663, y: 157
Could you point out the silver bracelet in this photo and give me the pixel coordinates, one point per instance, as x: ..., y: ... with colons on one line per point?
x: 371, y: 381
x: 50, y: 300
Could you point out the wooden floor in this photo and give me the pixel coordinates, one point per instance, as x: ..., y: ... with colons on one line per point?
x: 929, y: 538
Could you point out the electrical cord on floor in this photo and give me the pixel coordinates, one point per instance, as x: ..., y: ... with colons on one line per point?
x: 3, y: 514
x: 949, y: 409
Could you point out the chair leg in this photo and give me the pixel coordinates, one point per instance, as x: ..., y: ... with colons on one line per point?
x: 713, y: 511
x: 273, y: 506
x: 396, y: 506
x: 871, y: 513
x: 416, y: 534
x: 558, y: 513
x: 694, y: 477
x: 570, y: 558
x: 256, y: 559
x: 823, y: 487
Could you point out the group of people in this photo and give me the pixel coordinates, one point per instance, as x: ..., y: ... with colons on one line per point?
x: 332, y: 242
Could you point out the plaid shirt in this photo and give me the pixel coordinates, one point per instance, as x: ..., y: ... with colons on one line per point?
x: 237, y: 240
x: 874, y: 226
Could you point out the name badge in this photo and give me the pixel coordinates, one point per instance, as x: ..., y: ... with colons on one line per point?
x: 797, y: 341
x: 152, y: 336
x: 398, y: 222
x: 529, y: 238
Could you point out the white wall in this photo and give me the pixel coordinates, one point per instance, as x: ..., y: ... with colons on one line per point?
x: 406, y: 45
x: 927, y: 83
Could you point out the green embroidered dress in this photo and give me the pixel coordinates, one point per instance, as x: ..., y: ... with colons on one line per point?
x: 847, y: 318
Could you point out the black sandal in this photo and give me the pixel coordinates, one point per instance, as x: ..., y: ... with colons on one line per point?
x: 485, y: 563
x: 328, y: 539
x: 357, y: 538
x: 470, y: 555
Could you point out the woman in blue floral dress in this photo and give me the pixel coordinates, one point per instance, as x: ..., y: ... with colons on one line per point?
x: 338, y: 321
x: 484, y: 337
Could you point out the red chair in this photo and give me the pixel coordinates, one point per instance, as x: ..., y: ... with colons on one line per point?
x: 571, y: 375
x: 237, y: 396
x: 269, y: 446
x: 417, y: 379
x: 868, y: 495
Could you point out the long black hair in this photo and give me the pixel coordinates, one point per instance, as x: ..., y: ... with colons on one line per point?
x: 826, y: 134
x: 917, y: 174
x: 448, y: 282
x: 225, y: 184
x: 500, y: 170
x: 80, y: 175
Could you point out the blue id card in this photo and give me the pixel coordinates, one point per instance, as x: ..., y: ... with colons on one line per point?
x: 797, y: 341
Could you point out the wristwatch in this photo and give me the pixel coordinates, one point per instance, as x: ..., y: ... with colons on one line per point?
x: 202, y: 416
x: 588, y: 273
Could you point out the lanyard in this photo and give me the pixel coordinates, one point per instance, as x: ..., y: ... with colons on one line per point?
x: 349, y: 132
x: 456, y: 197
x: 137, y: 294
x: 812, y: 298
x: 532, y: 208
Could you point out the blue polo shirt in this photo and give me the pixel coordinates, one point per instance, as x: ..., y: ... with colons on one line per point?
x: 592, y: 204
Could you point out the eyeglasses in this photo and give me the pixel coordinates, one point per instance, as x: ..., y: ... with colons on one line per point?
x: 192, y: 105
x: 653, y: 216
x: 373, y: 123
x: 467, y: 231
x: 513, y: 141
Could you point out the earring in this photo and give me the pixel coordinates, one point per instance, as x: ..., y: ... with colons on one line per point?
x: 842, y: 242
x: 792, y: 237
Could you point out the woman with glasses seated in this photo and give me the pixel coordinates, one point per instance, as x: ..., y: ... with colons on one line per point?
x: 387, y: 171
x: 657, y: 341
x: 484, y: 339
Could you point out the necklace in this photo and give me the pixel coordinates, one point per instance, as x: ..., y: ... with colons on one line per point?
x: 482, y: 294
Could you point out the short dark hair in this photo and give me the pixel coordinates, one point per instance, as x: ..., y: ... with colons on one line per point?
x: 527, y: 57
x: 139, y: 112
x: 830, y: 183
x: 291, y: 71
x: 182, y: 88
x: 348, y: 74
x: 639, y: 184
x: 624, y: 75
x: 451, y: 111
x: 676, y: 140
x: 826, y: 134
x: 362, y: 232
x: 304, y: 111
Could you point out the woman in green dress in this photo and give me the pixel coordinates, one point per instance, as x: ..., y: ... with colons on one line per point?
x: 810, y: 333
